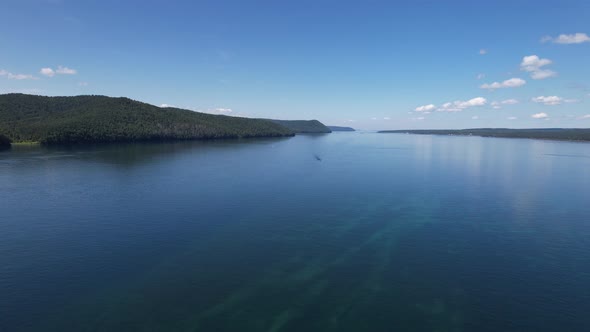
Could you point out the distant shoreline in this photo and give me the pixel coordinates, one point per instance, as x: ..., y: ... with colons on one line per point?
x: 555, y: 134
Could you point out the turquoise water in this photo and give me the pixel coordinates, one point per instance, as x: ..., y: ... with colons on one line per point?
x: 387, y: 232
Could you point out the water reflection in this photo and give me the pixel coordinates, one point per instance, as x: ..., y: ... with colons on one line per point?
x: 125, y: 154
x: 408, y: 232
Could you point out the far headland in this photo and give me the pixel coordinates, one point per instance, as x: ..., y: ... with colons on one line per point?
x: 339, y: 128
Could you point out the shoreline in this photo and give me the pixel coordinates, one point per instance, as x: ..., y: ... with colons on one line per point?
x: 550, y: 134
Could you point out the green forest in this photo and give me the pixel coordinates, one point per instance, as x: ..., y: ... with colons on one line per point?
x: 304, y: 126
x: 97, y: 119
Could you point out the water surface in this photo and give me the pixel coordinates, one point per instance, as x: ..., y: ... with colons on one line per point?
x: 387, y: 232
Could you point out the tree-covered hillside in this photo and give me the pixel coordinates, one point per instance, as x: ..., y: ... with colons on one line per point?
x: 304, y: 126
x: 91, y: 119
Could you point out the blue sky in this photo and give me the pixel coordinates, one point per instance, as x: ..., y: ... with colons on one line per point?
x: 367, y: 64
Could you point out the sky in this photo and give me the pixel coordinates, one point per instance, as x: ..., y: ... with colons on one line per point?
x: 367, y: 64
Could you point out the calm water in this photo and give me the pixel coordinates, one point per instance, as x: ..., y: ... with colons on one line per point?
x: 388, y: 232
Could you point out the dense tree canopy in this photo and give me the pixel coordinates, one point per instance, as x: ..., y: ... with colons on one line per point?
x: 304, y: 126
x: 87, y: 119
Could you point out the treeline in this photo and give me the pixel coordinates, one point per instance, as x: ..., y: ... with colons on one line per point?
x: 95, y: 119
x: 304, y: 126
x: 569, y: 134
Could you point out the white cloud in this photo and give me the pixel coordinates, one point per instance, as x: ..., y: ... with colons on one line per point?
x: 166, y: 105
x: 475, y: 117
x: 449, y: 107
x: 509, y: 102
x: 12, y: 76
x: 373, y: 118
x: 459, y: 105
x: 549, y: 100
x: 533, y: 64
x: 65, y: 71
x: 576, y: 38
x: 420, y: 118
x: 540, y: 116
x: 483, y: 51
x: 510, y: 83
x: 386, y: 118
x: 480, y: 76
x: 83, y: 83
x: 47, y: 72
x: 498, y: 104
x: 569, y: 101
x: 425, y: 108
x: 542, y: 74
x: 479, y: 101
x: 512, y: 118
x: 545, y: 39
x: 587, y: 116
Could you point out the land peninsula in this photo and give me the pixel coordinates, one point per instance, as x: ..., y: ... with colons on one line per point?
x: 339, y: 128
x: 102, y: 119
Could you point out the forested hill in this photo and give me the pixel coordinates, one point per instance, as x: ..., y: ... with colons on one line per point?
x: 93, y: 119
x: 304, y: 126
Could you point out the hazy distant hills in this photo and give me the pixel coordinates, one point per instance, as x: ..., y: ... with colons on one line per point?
x: 304, y: 126
x: 569, y: 134
x: 91, y: 119
x: 338, y: 128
